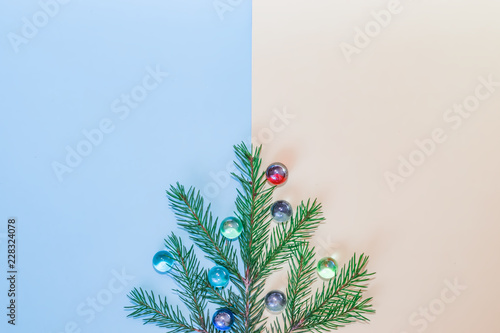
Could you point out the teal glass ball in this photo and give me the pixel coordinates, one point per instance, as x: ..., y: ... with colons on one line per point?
x: 231, y: 227
x: 327, y: 268
x: 163, y: 262
x: 218, y: 277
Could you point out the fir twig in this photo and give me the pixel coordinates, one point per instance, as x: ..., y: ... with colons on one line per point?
x: 202, y: 228
x: 190, y: 277
x: 225, y: 298
x: 157, y: 311
x: 252, y: 205
x: 284, y: 236
x: 300, y: 279
x: 339, y: 302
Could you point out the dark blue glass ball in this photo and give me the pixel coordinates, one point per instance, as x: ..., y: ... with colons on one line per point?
x: 223, y: 319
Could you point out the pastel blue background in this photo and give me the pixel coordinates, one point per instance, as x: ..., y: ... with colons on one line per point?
x: 110, y: 213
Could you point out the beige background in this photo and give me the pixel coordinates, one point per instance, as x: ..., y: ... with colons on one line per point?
x: 352, y: 121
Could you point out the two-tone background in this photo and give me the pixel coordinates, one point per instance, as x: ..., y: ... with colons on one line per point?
x: 387, y: 111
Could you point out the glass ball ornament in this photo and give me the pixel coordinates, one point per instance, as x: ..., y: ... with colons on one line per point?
x: 218, y: 277
x: 223, y: 319
x: 163, y: 262
x: 275, y: 301
x: 277, y: 173
x: 231, y: 227
x: 281, y: 211
x: 327, y: 268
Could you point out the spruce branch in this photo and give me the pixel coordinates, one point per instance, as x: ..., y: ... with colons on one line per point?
x: 225, y: 298
x: 300, y: 279
x: 202, y: 228
x: 339, y: 302
x: 252, y: 206
x: 284, y: 237
x: 350, y: 310
x: 157, y: 311
x: 190, y: 277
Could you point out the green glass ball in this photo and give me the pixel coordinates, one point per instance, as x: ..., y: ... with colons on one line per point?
x: 327, y: 268
x: 231, y: 227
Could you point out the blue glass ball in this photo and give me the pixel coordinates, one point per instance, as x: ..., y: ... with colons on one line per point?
x: 281, y: 211
x: 223, y: 319
x: 231, y: 227
x: 218, y: 277
x: 275, y: 301
x: 163, y: 262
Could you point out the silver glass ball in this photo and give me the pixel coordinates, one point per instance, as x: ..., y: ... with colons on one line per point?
x: 281, y: 211
x: 275, y: 301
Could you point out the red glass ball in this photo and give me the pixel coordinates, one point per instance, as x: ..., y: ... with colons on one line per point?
x: 277, y: 173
